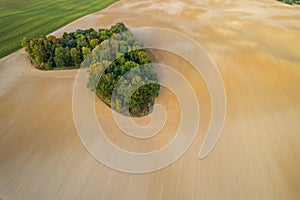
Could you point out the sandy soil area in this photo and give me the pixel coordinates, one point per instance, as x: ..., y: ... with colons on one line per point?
x: 255, y: 45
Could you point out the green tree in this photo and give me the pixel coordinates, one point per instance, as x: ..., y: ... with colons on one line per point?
x: 76, y: 58
x: 94, y: 42
x: 85, y: 52
x: 59, y: 57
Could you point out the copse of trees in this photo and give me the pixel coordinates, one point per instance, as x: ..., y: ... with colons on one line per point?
x: 69, y: 50
x: 290, y: 1
x: 121, y: 73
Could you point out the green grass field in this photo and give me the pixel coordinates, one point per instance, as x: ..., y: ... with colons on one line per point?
x: 32, y: 18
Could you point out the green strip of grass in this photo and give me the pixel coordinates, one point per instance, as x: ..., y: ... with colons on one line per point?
x: 32, y: 18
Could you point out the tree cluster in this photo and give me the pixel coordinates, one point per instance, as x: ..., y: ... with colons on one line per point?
x: 120, y: 69
x: 122, y: 75
x: 69, y: 50
x: 291, y: 1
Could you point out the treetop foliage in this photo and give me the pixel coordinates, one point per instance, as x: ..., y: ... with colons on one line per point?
x: 121, y: 73
x: 69, y: 50
x: 290, y: 1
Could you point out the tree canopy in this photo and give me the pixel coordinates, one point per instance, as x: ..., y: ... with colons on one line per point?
x: 121, y: 73
x: 290, y: 1
x: 69, y: 50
